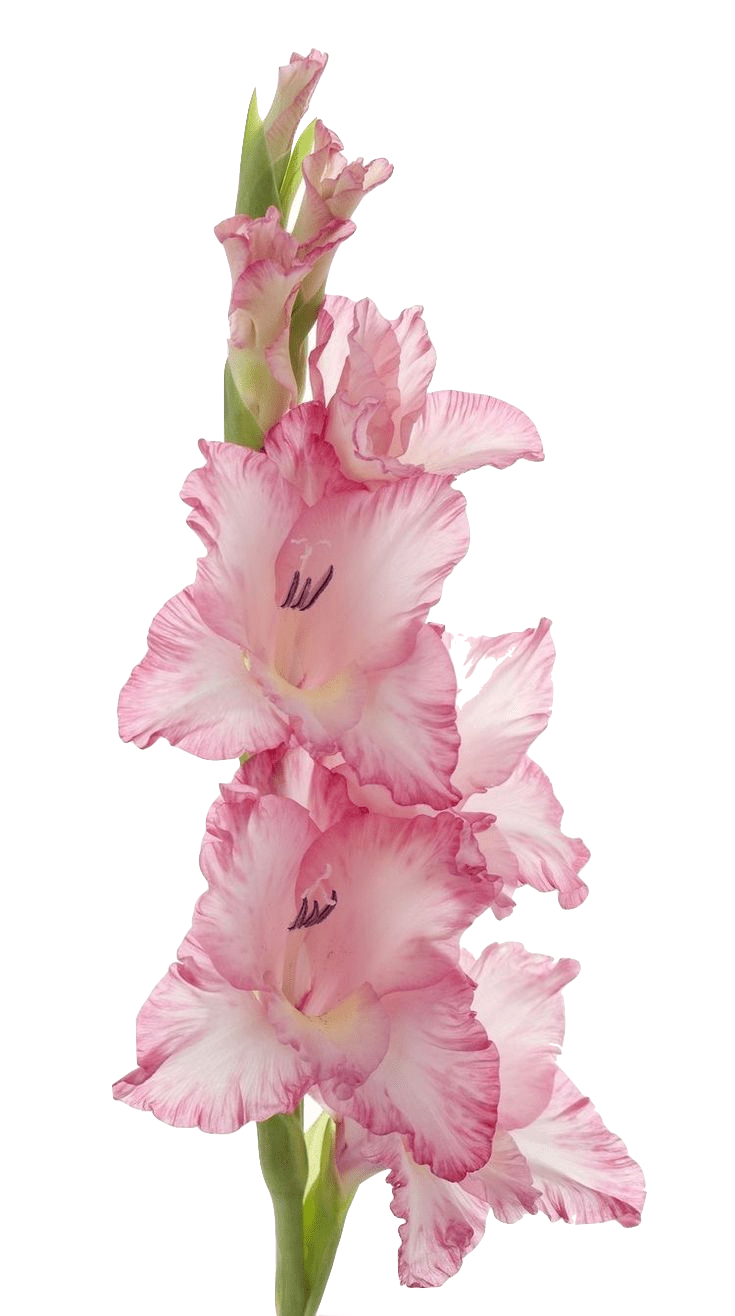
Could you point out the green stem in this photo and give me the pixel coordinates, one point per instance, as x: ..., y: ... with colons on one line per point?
x: 284, y: 1164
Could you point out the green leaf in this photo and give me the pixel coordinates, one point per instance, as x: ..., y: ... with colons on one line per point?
x: 240, y: 423
x: 292, y: 177
x: 257, y: 188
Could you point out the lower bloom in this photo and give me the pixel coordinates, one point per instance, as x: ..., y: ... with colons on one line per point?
x: 551, y: 1151
x: 325, y: 952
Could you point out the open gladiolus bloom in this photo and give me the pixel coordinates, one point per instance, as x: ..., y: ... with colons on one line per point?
x: 384, y: 796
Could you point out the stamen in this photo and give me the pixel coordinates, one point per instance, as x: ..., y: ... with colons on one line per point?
x: 309, y: 920
x: 291, y: 590
x: 319, y: 590
x: 303, y: 596
x: 299, y: 920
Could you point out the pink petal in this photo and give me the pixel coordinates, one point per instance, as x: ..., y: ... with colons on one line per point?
x: 406, y: 738
x: 193, y: 688
x: 296, y: 83
x: 343, y: 1045
x: 377, y: 372
x: 518, y: 1000
x: 208, y: 1055
x: 299, y: 451
x: 296, y: 775
x: 505, y: 702
x: 251, y: 857
x: 460, y: 431
x: 583, y: 1171
x: 390, y: 551
x: 335, y: 322
x: 505, y: 1183
x: 442, y: 1222
x: 438, y: 1083
x: 529, y: 823
x: 242, y: 510
x: 402, y: 902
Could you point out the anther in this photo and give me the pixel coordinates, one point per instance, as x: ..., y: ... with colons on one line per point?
x: 319, y: 589
x: 306, y: 599
x: 306, y: 919
x: 291, y: 590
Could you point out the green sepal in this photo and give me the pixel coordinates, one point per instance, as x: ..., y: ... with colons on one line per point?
x: 240, y: 423
x: 325, y: 1210
x: 289, y: 186
x: 257, y: 187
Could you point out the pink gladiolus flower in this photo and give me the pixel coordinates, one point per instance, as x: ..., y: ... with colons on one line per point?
x: 309, y: 621
x: 268, y: 267
x: 504, y: 702
x: 325, y: 950
x: 373, y: 375
x: 333, y: 190
x: 551, y: 1151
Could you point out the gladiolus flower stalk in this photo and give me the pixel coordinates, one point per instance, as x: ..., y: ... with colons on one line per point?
x: 380, y: 795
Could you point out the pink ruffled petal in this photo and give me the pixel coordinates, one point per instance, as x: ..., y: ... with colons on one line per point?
x: 438, y: 1083
x: 529, y: 824
x: 242, y: 510
x: 406, y: 738
x: 299, y: 451
x: 402, y: 902
x: 296, y: 775
x: 251, y: 857
x: 344, y: 1045
x: 505, y: 1183
x: 389, y: 552
x: 518, y: 1000
x: 415, y: 370
x: 460, y: 431
x: 505, y: 696
x: 583, y: 1171
x: 442, y: 1222
x: 208, y: 1056
x: 193, y: 688
x: 335, y: 322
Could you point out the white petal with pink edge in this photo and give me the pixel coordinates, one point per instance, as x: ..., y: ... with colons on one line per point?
x: 242, y: 510
x: 297, y: 447
x: 343, y: 1045
x: 460, y: 431
x: 401, y: 904
x: 443, y: 1221
x: 518, y: 1001
x: 208, y: 1056
x: 505, y: 697
x: 406, y: 738
x: 529, y: 823
x: 438, y: 1083
x: 583, y: 1171
x: 389, y: 551
x: 194, y: 689
x: 251, y: 856
x: 505, y: 1183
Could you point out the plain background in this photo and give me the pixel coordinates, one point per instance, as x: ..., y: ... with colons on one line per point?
x: 560, y: 207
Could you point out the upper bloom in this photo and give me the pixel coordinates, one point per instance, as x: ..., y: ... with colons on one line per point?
x: 373, y: 375
x: 551, y: 1151
x: 307, y: 620
x: 504, y: 694
x: 325, y: 951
